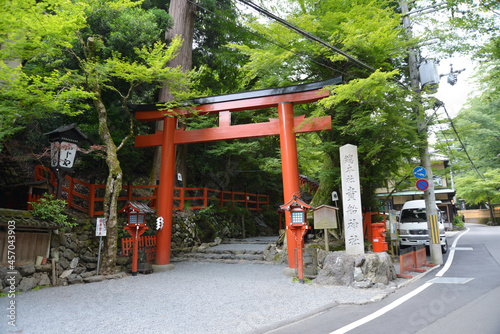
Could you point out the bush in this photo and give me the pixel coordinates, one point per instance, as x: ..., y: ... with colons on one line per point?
x: 458, y: 223
x: 50, y: 209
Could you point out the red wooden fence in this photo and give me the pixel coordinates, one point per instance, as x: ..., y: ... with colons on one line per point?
x: 147, y: 243
x: 83, y: 196
x: 308, y: 185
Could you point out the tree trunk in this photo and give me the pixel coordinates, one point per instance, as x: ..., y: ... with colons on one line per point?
x: 112, y: 192
x: 327, y: 184
x: 182, y: 12
x: 492, y: 215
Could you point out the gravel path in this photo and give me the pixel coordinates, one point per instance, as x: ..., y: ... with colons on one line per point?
x: 195, y: 297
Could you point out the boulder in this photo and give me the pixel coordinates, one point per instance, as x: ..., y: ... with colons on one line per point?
x: 8, y: 274
x: 122, y: 260
x: 44, y: 268
x: 73, y: 246
x: 91, y: 266
x: 89, y: 258
x: 3, y: 273
x: 93, y: 279
x: 75, y: 279
x: 69, y: 254
x: 27, y: 283
x: 44, y: 280
x: 73, y: 263
x: 87, y: 274
x: 338, y: 269
x: 63, y: 240
x: 54, y: 252
x: 378, y: 268
x: 27, y: 270
x: 358, y: 274
x: 66, y: 273
x: 362, y: 271
x: 63, y: 263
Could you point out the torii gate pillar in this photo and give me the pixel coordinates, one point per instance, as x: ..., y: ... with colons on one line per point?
x: 166, y: 191
x: 290, y: 170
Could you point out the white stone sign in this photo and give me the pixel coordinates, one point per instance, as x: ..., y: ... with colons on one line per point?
x: 351, y: 196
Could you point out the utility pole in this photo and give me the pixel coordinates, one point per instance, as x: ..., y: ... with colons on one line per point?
x: 429, y: 195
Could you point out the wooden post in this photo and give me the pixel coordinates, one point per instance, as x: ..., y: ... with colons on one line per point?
x: 181, y: 199
x: 129, y: 192
x: 91, y: 200
x: 71, y: 187
x: 327, y: 243
x: 54, y: 281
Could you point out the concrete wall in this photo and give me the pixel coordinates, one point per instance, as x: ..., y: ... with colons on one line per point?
x: 478, y: 216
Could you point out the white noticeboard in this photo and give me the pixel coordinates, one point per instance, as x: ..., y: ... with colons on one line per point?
x: 351, y: 196
x: 100, y: 230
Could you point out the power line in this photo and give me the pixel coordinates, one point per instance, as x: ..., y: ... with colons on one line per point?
x: 266, y: 39
x: 314, y: 38
x: 461, y: 143
x: 306, y: 34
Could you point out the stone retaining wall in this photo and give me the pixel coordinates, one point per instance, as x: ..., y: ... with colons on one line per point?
x: 75, y: 261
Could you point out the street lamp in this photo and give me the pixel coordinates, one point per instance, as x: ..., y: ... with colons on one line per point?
x: 63, y: 147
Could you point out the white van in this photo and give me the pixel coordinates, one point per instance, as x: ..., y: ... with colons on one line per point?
x: 413, y: 225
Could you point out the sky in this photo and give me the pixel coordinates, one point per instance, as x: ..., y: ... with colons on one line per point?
x: 454, y: 97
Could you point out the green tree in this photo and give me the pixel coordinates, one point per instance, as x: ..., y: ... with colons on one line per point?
x: 72, y: 68
x: 369, y: 109
x: 472, y: 30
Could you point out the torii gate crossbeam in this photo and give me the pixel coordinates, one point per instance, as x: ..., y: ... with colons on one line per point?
x: 286, y: 126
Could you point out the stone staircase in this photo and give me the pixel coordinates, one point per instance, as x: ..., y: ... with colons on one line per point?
x: 250, y: 250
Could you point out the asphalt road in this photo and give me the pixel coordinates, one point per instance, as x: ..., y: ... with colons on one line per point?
x: 462, y: 296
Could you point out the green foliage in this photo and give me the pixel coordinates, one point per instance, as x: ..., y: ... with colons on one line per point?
x: 458, y: 223
x: 226, y: 222
x: 306, y: 280
x: 50, y: 209
x: 368, y: 110
x: 479, y: 128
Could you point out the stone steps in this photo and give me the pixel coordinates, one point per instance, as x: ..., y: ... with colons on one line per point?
x: 224, y: 256
x: 253, y: 241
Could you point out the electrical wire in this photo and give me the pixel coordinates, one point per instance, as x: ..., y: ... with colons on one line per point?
x: 461, y: 143
x: 306, y: 34
x: 268, y: 40
x: 314, y: 38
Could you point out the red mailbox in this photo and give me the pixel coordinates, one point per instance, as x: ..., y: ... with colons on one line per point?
x: 378, y: 234
x: 298, y: 226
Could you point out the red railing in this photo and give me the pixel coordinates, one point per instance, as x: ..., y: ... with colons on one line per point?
x: 84, y: 196
x: 147, y: 243
x: 307, y: 185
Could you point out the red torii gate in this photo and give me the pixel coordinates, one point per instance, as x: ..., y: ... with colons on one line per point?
x: 286, y: 126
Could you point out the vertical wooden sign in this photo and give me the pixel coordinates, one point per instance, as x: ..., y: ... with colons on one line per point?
x: 351, y: 197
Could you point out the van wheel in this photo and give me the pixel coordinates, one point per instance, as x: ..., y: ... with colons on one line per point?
x: 444, y: 248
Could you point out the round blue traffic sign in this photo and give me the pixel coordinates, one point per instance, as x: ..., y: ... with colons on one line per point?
x: 422, y: 184
x: 419, y: 172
